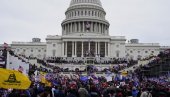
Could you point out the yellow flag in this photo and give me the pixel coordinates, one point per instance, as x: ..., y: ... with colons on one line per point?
x: 124, y: 73
x: 12, y: 79
x: 43, y: 80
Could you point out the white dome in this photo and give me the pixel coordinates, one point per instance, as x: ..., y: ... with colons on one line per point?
x: 85, y: 17
x: 79, y: 2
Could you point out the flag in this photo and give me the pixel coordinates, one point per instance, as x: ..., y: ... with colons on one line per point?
x: 124, y: 73
x: 12, y: 79
x: 109, y: 78
x: 43, y: 79
x: 87, y: 26
x: 84, y: 78
x: 5, y: 45
x: 20, y: 69
x: 2, y: 60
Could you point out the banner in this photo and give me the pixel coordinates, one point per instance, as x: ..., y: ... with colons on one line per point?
x: 124, y: 73
x: 109, y: 78
x: 3, y: 58
x: 14, y: 63
x: 11, y: 79
x: 43, y: 79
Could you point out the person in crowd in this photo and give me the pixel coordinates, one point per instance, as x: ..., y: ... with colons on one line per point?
x: 83, y: 92
x: 146, y: 93
x: 134, y: 92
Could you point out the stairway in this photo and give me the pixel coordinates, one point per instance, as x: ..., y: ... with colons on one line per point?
x: 140, y: 63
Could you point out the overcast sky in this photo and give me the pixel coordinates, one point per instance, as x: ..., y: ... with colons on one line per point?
x: 146, y: 20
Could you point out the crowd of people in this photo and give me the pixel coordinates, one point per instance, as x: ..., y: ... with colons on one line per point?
x: 134, y: 84
x: 119, y: 64
x: 95, y: 60
x: 79, y: 86
x: 162, y: 60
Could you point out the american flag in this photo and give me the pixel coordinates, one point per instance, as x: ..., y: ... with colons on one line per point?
x: 3, y: 57
x: 87, y: 26
x: 2, y: 60
x: 20, y: 69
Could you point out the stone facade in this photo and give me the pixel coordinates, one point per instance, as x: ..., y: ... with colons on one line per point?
x: 85, y: 33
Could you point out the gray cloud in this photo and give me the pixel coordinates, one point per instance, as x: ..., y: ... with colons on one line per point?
x: 147, y: 20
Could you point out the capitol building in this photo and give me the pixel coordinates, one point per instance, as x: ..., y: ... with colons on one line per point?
x: 85, y: 33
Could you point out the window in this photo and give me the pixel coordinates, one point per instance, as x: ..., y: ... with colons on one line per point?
x: 31, y: 50
x: 39, y: 50
x: 139, y: 57
x: 117, y: 45
x: 54, y: 52
x: 146, y: 51
x: 39, y: 56
x: 152, y: 51
x: 138, y: 51
x: 131, y: 51
x: 54, y: 45
x: 117, y: 53
x: 44, y: 50
x: 24, y: 50
x: 17, y: 50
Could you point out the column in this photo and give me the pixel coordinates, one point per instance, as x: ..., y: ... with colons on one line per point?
x: 66, y: 49
x: 79, y: 27
x: 72, y: 49
x: 82, y: 50
x: 107, y: 29
x: 94, y: 25
x: 68, y: 28
x: 71, y: 29
x: 75, y: 29
x: 109, y: 52
x: 105, y: 50
x: 99, y: 28
x: 63, y: 49
x: 89, y: 45
x: 75, y: 49
x: 64, y: 29
x: 99, y: 48
x: 83, y: 27
x: 91, y: 28
x: 96, y: 49
x: 104, y: 29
